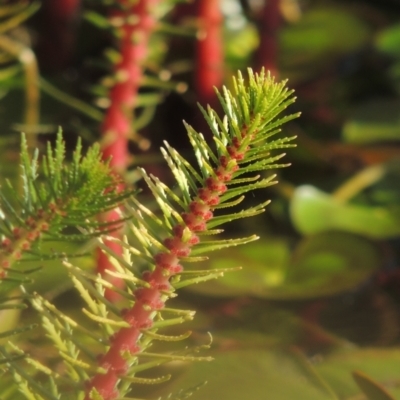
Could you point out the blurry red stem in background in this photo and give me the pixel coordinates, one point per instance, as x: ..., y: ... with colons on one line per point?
x: 134, y: 24
x: 268, y: 22
x: 63, y: 9
x: 209, y: 52
x: 60, y: 25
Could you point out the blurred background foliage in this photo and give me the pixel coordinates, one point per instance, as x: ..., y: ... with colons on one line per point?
x: 315, y: 311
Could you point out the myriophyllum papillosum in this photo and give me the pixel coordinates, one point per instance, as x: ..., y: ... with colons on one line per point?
x: 242, y: 147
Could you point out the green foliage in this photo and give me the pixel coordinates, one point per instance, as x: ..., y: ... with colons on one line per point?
x: 251, y: 110
x: 58, y: 198
x: 75, y: 192
x: 323, y: 277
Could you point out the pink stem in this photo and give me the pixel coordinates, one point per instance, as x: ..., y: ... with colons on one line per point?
x: 59, y: 32
x: 63, y: 9
x: 148, y: 300
x: 136, y: 25
x: 209, y: 52
x: 22, y: 238
x: 268, y: 22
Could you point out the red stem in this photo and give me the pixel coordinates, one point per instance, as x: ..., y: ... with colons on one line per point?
x: 148, y: 300
x: 59, y: 28
x: 63, y: 9
x: 23, y: 237
x: 268, y: 22
x: 136, y: 25
x: 209, y: 51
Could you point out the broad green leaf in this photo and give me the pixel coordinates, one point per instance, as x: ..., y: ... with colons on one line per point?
x: 325, y: 30
x: 97, y: 20
x: 313, y: 211
x: 320, y: 35
x: 252, y: 374
x: 327, y: 264
x: 381, y: 365
x: 240, y: 44
x: 321, y: 265
x: 394, y: 74
x: 388, y: 40
x: 372, y: 389
x: 374, y: 121
x: 263, y: 265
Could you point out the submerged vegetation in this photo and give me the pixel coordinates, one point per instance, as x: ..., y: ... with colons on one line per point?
x: 130, y: 272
